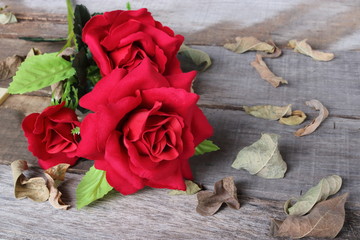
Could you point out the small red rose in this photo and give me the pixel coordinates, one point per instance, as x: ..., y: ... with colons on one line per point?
x: 143, y: 130
x: 49, y: 135
x: 124, y: 38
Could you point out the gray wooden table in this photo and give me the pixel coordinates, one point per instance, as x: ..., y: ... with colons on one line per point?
x: 230, y: 83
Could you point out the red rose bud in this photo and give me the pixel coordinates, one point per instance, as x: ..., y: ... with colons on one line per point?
x: 123, y: 38
x: 143, y: 130
x: 50, y: 135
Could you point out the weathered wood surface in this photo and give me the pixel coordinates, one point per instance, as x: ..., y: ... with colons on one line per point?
x: 230, y: 83
x: 148, y: 214
x: 328, y: 24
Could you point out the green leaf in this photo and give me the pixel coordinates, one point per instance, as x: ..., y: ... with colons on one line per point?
x: 40, y: 71
x: 191, y: 188
x: 326, y: 187
x: 262, y: 158
x: 268, y: 111
x: 193, y: 59
x: 81, y: 16
x: 93, y: 186
x: 40, y: 39
x: 128, y: 6
x: 206, y: 146
x: 75, y: 130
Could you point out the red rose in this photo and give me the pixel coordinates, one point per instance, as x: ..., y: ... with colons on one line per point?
x: 123, y: 38
x: 142, y: 131
x: 49, y: 135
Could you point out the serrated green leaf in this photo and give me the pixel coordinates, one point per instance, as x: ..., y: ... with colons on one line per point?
x: 40, y: 71
x: 75, y: 130
x: 81, y: 16
x: 326, y: 187
x: 193, y: 59
x: 269, y: 112
x: 262, y: 158
x: 206, y: 146
x: 92, y: 186
x: 191, y: 188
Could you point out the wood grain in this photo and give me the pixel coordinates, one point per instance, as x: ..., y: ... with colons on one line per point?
x: 150, y: 214
x: 331, y: 25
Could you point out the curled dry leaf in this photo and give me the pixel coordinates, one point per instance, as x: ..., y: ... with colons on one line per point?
x: 327, y: 186
x: 33, y: 188
x: 262, y: 158
x: 297, y: 117
x: 7, y: 17
x: 248, y: 44
x: 265, y: 72
x: 224, y: 192
x: 277, y: 52
x: 269, y: 112
x: 323, y: 114
x: 304, y: 48
x: 191, y: 188
x: 55, y: 175
x: 3, y: 95
x: 325, y: 220
x: 193, y: 59
x: 9, y: 66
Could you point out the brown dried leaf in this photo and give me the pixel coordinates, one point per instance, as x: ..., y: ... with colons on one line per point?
x: 247, y: 44
x: 297, y: 117
x: 277, y: 52
x: 304, y: 48
x: 55, y: 175
x: 265, y: 72
x: 9, y: 66
x: 315, y: 123
x: 3, y: 95
x: 325, y: 220
x: 33, y: 52
x: 33, y: 188
x: 55, y: 194
x: 224, y: 192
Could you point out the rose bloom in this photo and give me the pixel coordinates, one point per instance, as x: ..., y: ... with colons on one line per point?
x: 49, y: 135
x: 144, y: 128
x: 123, y: 38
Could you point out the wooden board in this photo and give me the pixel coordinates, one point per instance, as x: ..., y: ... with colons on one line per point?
x: 230, y: 83
x: 330, y: 24
x: 148, y: 214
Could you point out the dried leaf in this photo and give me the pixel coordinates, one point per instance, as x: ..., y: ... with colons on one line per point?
x: 247, y: 44
x: 323, y: 114
x: 326, y: 187
x: 191, y: 188
x: 265, y: 72
x: 33, y: 52
x: 269, y: 112
x: 33, y: 188
x: 9, y: 66
x: 7, y: 17
x: 193, y: 59
x: 297, y: 117
x: 58, y: 172
x: 304, y: 48
x: 325, y: 220
x: 277, y: 52
x: 55, y: 175
x: 3, y: 95
x: 224, y: 192
x: 262, y: 158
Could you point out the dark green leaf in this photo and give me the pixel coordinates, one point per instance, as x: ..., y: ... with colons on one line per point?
x: 193, y: 59
x: 40, y: 39
x: 81, y: 16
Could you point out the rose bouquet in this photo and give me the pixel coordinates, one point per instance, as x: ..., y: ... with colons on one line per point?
x: 141, y: 124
